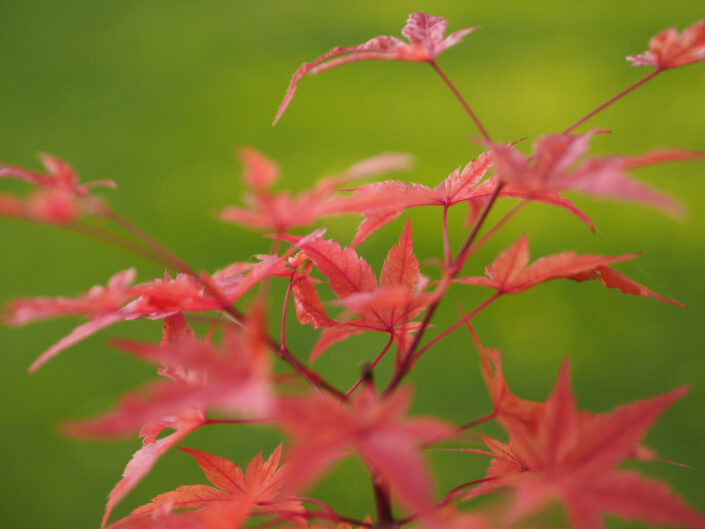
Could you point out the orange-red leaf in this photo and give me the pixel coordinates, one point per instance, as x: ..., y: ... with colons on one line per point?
x: 613, y: 279
x: 144, y: 459
x: 426, y: 34
x: 669, y: 49
x: 376, y: 428
x: 510, y: 272
x: 259, y: 488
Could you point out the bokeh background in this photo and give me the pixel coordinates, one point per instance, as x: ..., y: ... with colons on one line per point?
x: 157, y: 95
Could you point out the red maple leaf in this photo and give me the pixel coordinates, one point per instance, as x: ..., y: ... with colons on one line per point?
x: 382, y: 202
x: 58, y: 197
x: 376, y: 428
x: 156, y: 299
x: 509, y: 273
x: 426, y: 35
x: 511, y: 411
x: 669, y: 49
x: 283, y: 211
x: 144, y: 459
x: 257, y: 490
x: 98, y: 300
x: 555, y: 166
x: 571, y: 457
x: 59, y: 175
x: 101, y: 304
x: 233, y: 377
x: 387, y: 306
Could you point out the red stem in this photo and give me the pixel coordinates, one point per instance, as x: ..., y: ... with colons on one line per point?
x: 457, y: 265
x: 166, y: 254
x: 281, y: 351
x: 453, y: 270
x: 116, y: 241
x: 462, y: 427
x: 236, y: 421
x: 385, y: 518
x: 448, y: 497
x: 457, y: 324
x: 446, y: 243
x: 326, y: 515
x: 475, y: 422
x: 282, y: 332
x: 460, y: 98
x: 493, y: 231
x: 612, y: 100
x: 371, y: 366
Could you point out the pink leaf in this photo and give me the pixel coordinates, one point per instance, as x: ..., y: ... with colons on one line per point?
x: 144, y: 459
x: 669, y: 49
x: 426, y: 40
x: 510, y: 274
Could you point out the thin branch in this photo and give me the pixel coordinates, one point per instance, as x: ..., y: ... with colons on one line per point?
x: 385, y: 519
x: 462, y: 428
x: 371, y: 366
x: 476, y: 422
x: 452, y: 494
x: 166, y: 254
x: 309, y: 515
x: 612, y: 100
x: 446, y: 243
x: 460, y: 98
x: 460, y: 259
x: 312, y: 377
x: 455, y: 325
x: 453, y: 271
x: 493, y: 231
x: 282, y: 332
x: 104, y: 236
x: 237, y: 421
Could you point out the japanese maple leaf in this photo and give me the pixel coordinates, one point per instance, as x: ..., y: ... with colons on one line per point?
x: 233, y: 377
x: 426, y: 40
x: 669, y: 49
x: 145, y: 458
x: 572, y: 458
x: 555, y: 166
x: 374, y: 427
x: 510, y: 272
x: 98, y: 300
x: 283, y: 211
x: 187, y: 293
x: 157, y: 299
x: 387, y: 306
x: 511, y: 411
x: 48, y: 205
x: 259, y: 488
x: 101, y: 304
x: 59, y: 175
x: 58, y: 198
x: 382, y: 202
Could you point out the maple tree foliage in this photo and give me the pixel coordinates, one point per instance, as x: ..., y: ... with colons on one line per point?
x: 555, y: 165
x: 380, y: 203
x: 259, y: 488
x: 375, y: 428
x: 563, y: 454
x: 385, y: 306
x: 244, y: 374
x: 57, y: 197
x: 283, y: 211
x: 670, y: 49
x: 426, y: 35
x: 510, y: 272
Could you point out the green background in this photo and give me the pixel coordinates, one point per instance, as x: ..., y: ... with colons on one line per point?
x: 156, y: 95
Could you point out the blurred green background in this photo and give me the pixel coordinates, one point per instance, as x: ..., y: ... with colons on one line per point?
x: 156, y: 96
